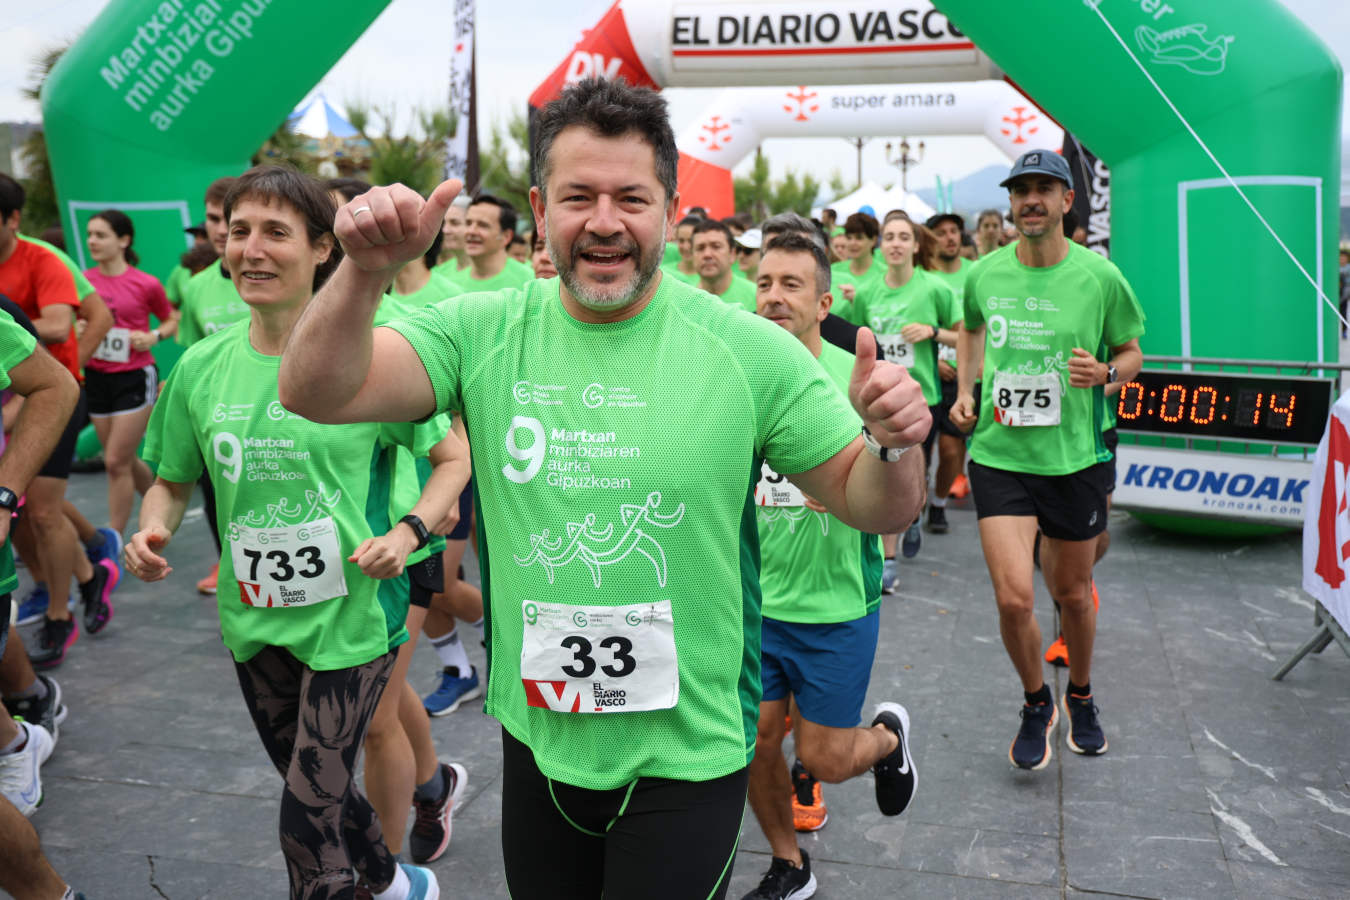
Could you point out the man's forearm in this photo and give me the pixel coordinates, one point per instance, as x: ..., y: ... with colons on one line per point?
x: 98, y: 321
x: 969, y: 359
x: 885, y: 497
x: 36, y: 432
x: 328, y: 355
x: 1128, y: 362
x: 164, y: 504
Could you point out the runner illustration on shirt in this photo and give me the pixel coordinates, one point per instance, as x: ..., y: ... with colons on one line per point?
x: 553, y: 554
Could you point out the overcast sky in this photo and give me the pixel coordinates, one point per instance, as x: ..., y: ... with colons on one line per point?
x: 394, y: 60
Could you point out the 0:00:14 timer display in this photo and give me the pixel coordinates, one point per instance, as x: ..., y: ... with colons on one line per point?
x: 1226, y: 405
x: 1203, y: 404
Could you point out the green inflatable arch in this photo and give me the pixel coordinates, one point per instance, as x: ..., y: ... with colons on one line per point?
x: 158, y: 98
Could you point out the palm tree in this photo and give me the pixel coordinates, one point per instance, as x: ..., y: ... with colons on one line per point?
x: 40, y: 208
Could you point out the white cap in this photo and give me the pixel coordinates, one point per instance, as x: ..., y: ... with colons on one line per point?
x: 751, y: 239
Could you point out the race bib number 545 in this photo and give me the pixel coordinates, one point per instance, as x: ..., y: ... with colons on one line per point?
x: 294, y: 565
x: 599, y: 659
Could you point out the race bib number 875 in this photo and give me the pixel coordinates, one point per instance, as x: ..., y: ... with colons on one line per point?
x: 599, y: 659
x: 1025, y: 400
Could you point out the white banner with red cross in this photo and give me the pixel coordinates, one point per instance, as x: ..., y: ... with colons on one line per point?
x: 1326, y: 526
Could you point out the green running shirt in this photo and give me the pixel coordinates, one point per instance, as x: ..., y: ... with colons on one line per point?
x: 615, y: 464
x: 739, y: 293
x: 923, y: 300
x: 16, y: 345
x: 813, y: 567
x: 513, y: 275
x: 840, y: 275
x: 272, y: 469
x: 1034, y: 318
x: 210, y: 303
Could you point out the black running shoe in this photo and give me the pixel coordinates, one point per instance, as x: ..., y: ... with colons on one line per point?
x: 912, y: 541
x: 895, y: 776
x: 937, y: 519
x: 49, y: 712
x: 1031, y: 748
x: 97, y: 595
x: 54, y: 637
x: 431, y: 828
x: 1085, y: 732
x: 784, y: 881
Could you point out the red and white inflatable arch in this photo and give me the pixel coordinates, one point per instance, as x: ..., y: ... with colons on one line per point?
x: 938, y: 81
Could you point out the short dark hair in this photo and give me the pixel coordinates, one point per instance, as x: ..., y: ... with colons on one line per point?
x: 707, y: 225
x: 689, y: 220
x: 121, y: 225
x: 792, y: 222
x: 506, y: 213
x: 997, y: 214
x: 351, y: 188
x: 54, y: 235
x: 609, y: 108
x: 217, y: 190
x: 198, y: 258
x: 802, y: 242
x: 11, y: 196
x: 862, y: 223
x: 834, y: 216
x: 303, y: 193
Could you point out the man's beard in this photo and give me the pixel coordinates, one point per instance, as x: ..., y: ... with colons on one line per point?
x: 607, y: 297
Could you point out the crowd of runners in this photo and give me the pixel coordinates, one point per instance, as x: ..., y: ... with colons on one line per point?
x: 687, y: 452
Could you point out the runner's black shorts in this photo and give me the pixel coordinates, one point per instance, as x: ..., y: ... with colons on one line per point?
x: 58, y: 464
x: 657, y: 838
x: 1067, y: 507
x: 942, y: 419
x: 424, y: 579
x: 465, y: 523
x: 117, y: 393
x: 1111, y: 438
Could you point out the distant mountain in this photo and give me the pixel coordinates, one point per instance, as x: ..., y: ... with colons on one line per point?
x: 977, y: 191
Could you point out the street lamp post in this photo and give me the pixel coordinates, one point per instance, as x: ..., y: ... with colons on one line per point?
x: 904, y: 160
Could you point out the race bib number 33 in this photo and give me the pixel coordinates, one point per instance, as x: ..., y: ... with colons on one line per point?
x: 599, y: 659
x: 294, y: 565
x: 1024, y: 400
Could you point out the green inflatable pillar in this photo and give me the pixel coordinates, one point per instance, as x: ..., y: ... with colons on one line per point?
x: 160, y: 97
x: 1261, y: 91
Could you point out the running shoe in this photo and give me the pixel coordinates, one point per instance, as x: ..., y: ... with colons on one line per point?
x: 960, y: 487
x: 895, y: 775
x: 208, y: 584
x: 423, y: 884
x: 110, y: 548
x: 49, y: 712
x: 1058, y: 653
x: 53, y: 640
x: 1085, y: 732
x: 20, y: 780
x: 889, y: 574
x: 452, y: 691
x: 1031, y: 748
x: 937, y: 519
x: 808, y: 804
x: 34, y: 606
x: 784, y: 881
x: 431, y: 829
x: 97, y: 595
x: 910, y: 543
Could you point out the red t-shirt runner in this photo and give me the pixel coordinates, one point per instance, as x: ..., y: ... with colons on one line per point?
x: 34, y: 278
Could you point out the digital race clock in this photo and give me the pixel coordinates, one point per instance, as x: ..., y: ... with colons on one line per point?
x: 1271, y: 409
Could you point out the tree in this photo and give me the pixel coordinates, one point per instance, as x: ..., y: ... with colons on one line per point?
x: 416, y: 160
x: 285, y: 147
x: 40, y: 209
x: 760, y: 196
x: 504, y: 167
x: 838, y: 187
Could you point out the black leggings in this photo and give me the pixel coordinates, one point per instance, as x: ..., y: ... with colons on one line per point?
x: 312, y: 725
x: 656, y: 838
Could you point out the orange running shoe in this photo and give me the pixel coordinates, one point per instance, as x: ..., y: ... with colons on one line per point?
x: 1096, y: 598
x: 208, y: 584
x: 960, y: 487
x: 808, y: 805
x: 1058, y: 654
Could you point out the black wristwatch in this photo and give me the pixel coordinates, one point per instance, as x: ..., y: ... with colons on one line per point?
x: 1111, y: 374
x: 415, y: 523
x: 8, y: 499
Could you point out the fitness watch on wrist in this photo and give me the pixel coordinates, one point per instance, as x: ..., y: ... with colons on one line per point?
x: 415, y: 523
x: 885, y: 454
x: 1111, y: 374
x: 8, y: 499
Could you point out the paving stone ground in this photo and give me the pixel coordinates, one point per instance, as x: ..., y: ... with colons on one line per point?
x: 1219, y: 781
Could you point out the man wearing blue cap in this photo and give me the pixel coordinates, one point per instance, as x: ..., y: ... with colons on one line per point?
x: 1051, y: 324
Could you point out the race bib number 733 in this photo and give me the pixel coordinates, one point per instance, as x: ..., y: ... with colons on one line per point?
x: 294, y: 565
x: 599, y: 659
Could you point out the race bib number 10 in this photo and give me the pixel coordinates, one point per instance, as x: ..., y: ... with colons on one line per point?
x: 296, y: 565
x: 1024, y: 400
x: 115, y: 346
x: 599, y: 659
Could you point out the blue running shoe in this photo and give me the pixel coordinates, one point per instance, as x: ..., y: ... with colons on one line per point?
x: 110, y: 549
x: 452, y: 691
x: 910, y: 543
x: 424, y: 885
x: 889, y: 573
x: 33, y: 607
